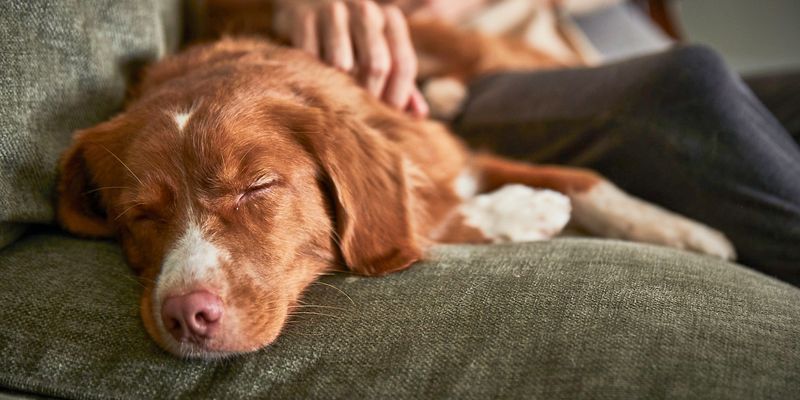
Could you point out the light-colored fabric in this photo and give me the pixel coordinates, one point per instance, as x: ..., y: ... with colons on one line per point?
x: 574, y: 32
x: 617, y: 33
x: 537, y: 23
x: 566, y: 319
x: 64, y: 66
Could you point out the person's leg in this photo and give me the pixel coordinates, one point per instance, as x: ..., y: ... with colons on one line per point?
x: 677, y: 128
x: 780, y: 93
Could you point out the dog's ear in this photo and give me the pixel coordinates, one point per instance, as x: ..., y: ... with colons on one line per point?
x: 370, y: 192
x: 80, y: 198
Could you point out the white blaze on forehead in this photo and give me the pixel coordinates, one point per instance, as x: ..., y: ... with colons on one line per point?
x: 181, y: 118
x: 192, y: 261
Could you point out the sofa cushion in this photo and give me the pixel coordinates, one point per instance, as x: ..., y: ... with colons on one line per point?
x: 64, y: 66
x: 571, y: 318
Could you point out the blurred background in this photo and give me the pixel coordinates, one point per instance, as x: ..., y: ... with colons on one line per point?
x: 754, y: 36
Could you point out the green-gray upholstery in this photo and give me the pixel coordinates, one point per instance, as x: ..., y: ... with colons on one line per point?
x: 64, y: 65
x: 560, y: 320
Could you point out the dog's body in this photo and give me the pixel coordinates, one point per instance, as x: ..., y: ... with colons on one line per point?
x: 243, y: 170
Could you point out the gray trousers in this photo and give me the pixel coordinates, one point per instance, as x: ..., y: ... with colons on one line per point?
x: 677, y: 128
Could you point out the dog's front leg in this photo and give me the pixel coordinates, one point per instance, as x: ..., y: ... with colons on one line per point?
x: 602, y: 209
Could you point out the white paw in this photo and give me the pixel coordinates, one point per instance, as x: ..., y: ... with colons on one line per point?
x: 517, y: 213
x: 445, y: 97
x: 607, y: 211
x: 704, y: 239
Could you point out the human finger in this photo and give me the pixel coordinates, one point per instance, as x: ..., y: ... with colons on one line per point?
x: 417, y: 105
x: 337, y: 48
x: 404, y: 61
x: 372, y: 52
x: 304, y: 34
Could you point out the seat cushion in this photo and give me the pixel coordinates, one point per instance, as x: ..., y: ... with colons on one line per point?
x: 65, y: 66
x: 570, y: 318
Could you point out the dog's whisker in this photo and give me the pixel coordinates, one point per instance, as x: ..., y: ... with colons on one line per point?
x: 105, y: 188
x: 319, y: 306
x: 336, y: 238
x: 314, y: 313
x: 306, y: 334
x: 340, y: 268
x: 128, y: 209
x: 303, y: 306
x: 335, y: 288
x: 148, y: 280
x: 133, y: 278
x: 124, y: 165
x: 296, y: 329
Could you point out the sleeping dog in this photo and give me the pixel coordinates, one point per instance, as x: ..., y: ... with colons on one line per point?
x: 243, y: 170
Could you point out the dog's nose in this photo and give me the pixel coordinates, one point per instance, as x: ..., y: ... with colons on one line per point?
x: 194, y: 316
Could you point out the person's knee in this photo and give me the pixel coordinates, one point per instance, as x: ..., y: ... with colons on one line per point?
x: 695, y: 76
x: 697, y: 68
x: 695, y: 57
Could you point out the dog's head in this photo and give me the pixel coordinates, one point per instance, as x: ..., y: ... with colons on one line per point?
x: 229, y: 206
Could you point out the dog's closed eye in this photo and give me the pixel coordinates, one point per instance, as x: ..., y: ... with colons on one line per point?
x: 259, y: 187
x: 143, y: 214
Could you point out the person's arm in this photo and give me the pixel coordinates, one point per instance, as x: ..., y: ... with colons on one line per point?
x: 371, y: 41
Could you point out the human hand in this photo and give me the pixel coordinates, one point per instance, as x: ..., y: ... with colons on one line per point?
x: 365, y: 39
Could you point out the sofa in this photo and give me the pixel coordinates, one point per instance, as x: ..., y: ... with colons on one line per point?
x: 562, y: 319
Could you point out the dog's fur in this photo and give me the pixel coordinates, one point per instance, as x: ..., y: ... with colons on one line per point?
x: 246, y: 169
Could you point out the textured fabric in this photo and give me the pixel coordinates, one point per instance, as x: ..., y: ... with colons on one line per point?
x: 13, y: 395
x: 567, y: 319
x: 677, y: 128
x: 64, y: 66
x: 780, y: 93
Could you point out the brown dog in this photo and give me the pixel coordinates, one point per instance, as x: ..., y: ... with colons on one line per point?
x: 243, y: 170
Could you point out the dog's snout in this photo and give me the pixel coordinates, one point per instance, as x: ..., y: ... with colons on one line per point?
x: 192, y: 317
